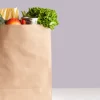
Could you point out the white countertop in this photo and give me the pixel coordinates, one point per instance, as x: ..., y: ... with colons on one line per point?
x: 76, y: 94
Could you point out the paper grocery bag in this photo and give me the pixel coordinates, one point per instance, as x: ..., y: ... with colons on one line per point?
x: 25, y: 62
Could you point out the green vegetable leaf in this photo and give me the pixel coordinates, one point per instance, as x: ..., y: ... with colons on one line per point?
x: 46, y: 17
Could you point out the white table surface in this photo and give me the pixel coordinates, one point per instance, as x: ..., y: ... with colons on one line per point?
x: 76, y: 94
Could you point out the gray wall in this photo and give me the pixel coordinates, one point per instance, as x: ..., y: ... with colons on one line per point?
x: 75, y: 42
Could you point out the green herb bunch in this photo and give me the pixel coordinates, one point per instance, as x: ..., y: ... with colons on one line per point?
x: 46, y: 17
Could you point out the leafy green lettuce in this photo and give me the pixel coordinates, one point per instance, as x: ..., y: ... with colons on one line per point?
x: 46, y: 17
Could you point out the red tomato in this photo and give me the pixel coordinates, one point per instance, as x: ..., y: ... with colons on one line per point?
x: 23, y: 21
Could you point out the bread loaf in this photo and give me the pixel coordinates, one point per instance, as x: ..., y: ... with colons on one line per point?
x: 8, y: 13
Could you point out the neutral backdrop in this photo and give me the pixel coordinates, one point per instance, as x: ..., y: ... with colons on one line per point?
x: 75, y: 42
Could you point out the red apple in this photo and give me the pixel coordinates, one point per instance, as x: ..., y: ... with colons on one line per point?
x: 13, y: 21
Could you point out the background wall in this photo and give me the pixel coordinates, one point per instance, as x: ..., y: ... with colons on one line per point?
x: 75, y: 42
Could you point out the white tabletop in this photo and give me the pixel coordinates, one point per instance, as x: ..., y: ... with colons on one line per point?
x: 76, y: 94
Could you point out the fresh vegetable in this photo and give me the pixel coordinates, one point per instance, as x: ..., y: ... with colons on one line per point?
x: 23, y: 21
x: 24, y: 13
x: 32, y: 12
x: 2, y: 21
x: 46, y: 17
x: 14, y: 21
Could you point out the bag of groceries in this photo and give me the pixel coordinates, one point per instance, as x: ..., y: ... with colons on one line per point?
x: 25, y: 56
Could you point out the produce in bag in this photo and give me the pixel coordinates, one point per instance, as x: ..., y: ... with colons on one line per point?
x: 8, y: 13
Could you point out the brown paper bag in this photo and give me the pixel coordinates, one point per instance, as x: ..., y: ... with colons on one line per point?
x: 25, y: 62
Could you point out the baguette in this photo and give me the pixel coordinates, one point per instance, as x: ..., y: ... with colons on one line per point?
x: 8, y: 13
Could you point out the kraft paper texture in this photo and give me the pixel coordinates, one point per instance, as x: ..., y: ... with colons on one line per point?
x: 25, y: 62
